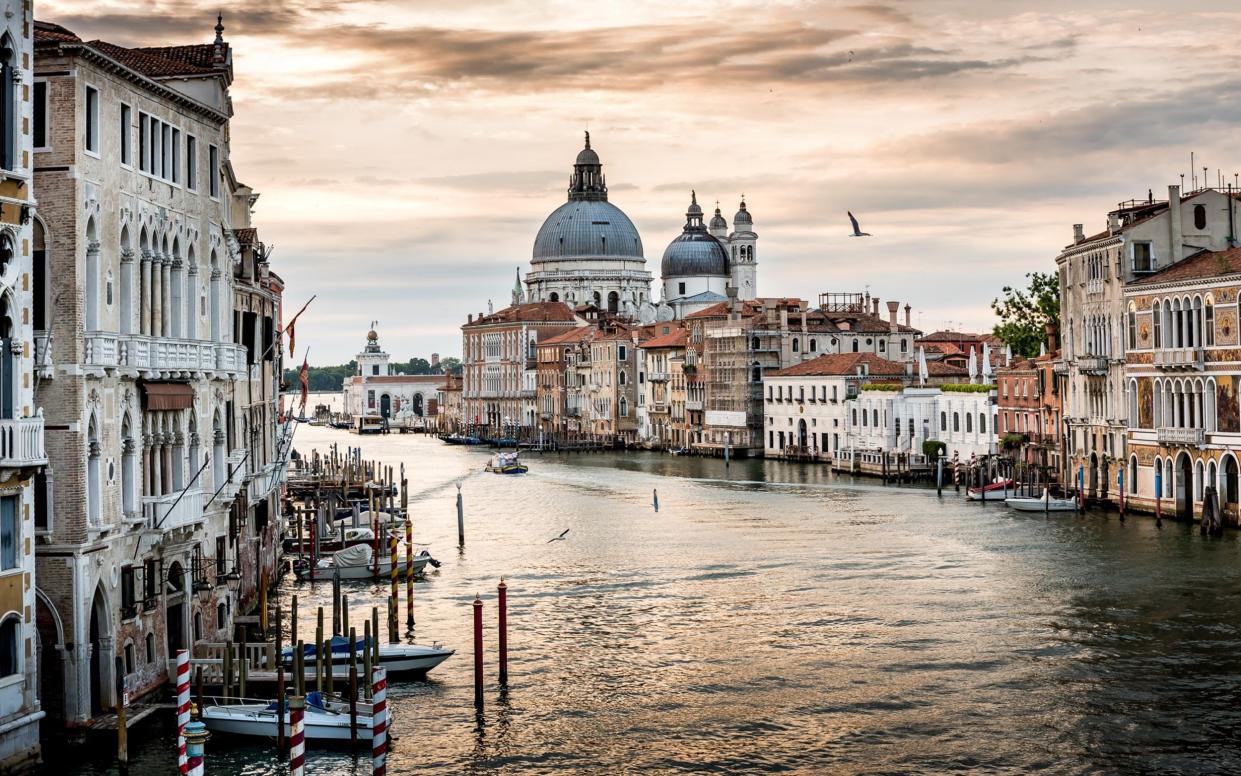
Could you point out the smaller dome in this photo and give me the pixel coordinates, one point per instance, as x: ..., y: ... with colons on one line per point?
x: 694, y: 254
x: 717, y: 220
x: 743, y: 216
x: 587, y: 156
x: 694, y: 208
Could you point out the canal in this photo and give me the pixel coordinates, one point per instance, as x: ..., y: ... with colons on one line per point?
x: 773, y: 617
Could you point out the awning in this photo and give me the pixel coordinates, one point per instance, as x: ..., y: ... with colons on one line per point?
x: 168, y: 396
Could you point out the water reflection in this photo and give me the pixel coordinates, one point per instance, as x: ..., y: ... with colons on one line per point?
x: 771, y: 616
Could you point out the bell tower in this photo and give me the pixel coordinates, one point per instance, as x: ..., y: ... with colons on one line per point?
x: 742, y: 260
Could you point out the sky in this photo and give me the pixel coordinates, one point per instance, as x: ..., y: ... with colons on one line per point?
x: 407, y: 152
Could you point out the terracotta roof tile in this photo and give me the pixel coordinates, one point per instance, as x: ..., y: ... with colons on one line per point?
x: 149, y: 62
x: 673, y: 339
x: 47, y: 31
x: 574, y: 335
x: 534, y: 312
x: 1203, y: 265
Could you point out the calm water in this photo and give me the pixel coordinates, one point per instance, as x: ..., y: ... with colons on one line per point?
x: 772, y: 617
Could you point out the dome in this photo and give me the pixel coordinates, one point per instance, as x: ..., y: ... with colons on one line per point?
x: 587, y: 227
x: 694, y: 254
x: 743, y: 217
x: 587, y: 156
x: 717, y: 220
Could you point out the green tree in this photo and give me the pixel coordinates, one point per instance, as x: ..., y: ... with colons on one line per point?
x: 1025, y: 313
x: 450, y: 365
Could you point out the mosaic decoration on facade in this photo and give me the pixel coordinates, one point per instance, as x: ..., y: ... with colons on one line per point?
x: 1229, y: 415
x: 1146, y: 403
x: 1226, y: 327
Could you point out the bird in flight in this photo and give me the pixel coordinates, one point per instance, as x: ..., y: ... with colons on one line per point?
x: 857, y: 230
x: 560, y: 537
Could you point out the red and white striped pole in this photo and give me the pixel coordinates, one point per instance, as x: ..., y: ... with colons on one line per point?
x: 183, y: 707
x: 297, y: 736
x: 379, y: 721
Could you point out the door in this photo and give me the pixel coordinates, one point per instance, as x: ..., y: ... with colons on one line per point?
x: 385, y: 405
x: 1184, y: 488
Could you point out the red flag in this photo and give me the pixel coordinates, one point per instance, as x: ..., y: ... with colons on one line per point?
x: 292, y: 336
x: 304, y: 378
x: 293, y: 321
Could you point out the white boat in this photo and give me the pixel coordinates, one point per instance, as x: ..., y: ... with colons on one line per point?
x: 357, y: 562
x: 325, y: 720
x: 1044, y: 504
x: 399, y: 659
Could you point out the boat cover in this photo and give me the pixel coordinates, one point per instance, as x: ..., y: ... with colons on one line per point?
x: 357, y: 555
x: 340, y: 644
x: 314, y: 700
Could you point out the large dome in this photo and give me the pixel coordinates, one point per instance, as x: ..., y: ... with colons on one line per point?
x: 694, y: 254
x: 584, y: 227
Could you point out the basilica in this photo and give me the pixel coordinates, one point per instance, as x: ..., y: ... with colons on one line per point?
x: 589, y: 252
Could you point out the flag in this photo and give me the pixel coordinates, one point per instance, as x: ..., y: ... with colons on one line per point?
x: 293, y: 321
x: 304, y: 378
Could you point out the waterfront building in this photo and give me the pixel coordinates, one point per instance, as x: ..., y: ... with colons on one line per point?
x: 24, y: 487
x: 1028, y: 402
x: 806, y: 404
x: 662, y: 357
x: 1142, y: 237
x: 886, y: 418
x: 613, y: 386
x: 1183, y: 374
x: 560, y: 391
x: 156, y: 345
x: 376, y: 390
x: 954, y: 347
x: 499, y: 362
x: 450, y: 412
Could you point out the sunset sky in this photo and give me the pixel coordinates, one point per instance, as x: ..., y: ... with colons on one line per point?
x: 408, y: 152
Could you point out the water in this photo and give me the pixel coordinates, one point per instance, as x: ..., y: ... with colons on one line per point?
x: 772, y: 617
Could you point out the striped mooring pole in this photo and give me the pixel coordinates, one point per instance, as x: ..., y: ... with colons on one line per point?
x: 379, y: 722
x: 297, y: 736
x: 183, y: 708
x: 196, y: 736
x: 409, y: 568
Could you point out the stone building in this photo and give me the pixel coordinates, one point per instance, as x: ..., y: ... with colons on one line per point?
x: 449, y: 419
x: 662, y: 358
x: 376, y: 390
x: 498, y: 349
x: 558, y: 386
x: 613, y: 386
x: 889, y: 418
x: 23, y: 485
x: 158, y: 361
x: 1142, y: 237
x: 1183, y: 376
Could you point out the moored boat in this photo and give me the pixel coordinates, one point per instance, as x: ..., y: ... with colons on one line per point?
x: 998, y: 487
x: 325, y: 720
x: 1043, y: 504
x: 506, y: 463
x: 357, y: 562
x: 398, y: 659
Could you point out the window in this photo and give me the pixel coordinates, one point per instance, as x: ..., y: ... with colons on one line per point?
x: 875, y: 418
x: 621, y: 353
x: 38, y: 134
x: 150, y: 647
x: 9, y: 665
x: 174, y: 169
x: 681, y: 289
x: 969, y: 424
x: 144, y: 143
x: 1133, y: 329
x: 1158, y: 315
x: 814, y: 345
x: 92, y: 119
x: 129, y: 603
x: 1200, y: 217
x: 883, y: 346
x: 1143, y: 258
x: 165, y: 148
x: 10, y: 533
x: 126, y: 155
x: 191, y: 166
x: 904, y: 345
x: 855, y: 345
x: 129, y: 658
x: 213, y: 169
x: 982, y: 423
x: 10, y: 106
x: 795, y: 344
x: 221, y: 616
x: 374, y: 369
x: 1208, y: 322
x: 943, y: 421
x: 956, y: 421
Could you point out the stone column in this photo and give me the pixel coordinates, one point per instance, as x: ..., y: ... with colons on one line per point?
x: 166, y: 291
x: 166, y: 450
x: 144, y: 296
x: 128, y: 454
x: 157, y: 454
x: 92, y: 286
x: 157, y: 296
x: 192, y: 308
x: 127, y: 291
x: 147, y: 480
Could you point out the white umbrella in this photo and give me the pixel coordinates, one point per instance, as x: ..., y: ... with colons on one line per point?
x: 986, y: 362
x: 973, y: 365
x: 1008, y: 354
x: 1042, y: 348
x: 923, y: 373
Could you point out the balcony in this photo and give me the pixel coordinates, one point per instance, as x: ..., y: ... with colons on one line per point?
x: 43, y: 356
x: 1094, y: 286
x: 21, y: 443
x: 1092, y: 365
x: 171, y: 357
x: 657, y: 377
x: 1189, y: 437
x: 693, y: 404
x: 1180, y: 358
x: 659, y: 407
x: 183, y: 509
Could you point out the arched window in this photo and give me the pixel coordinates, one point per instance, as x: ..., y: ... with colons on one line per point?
x: 1133, y: 328
x: 10, y: 105
x: 756, y: 374
x: 624, y: 407
x: 814, y: 344
x: 1199, y: 475
x: 855, y: 344
x: 956, y: 421
x: 1230, y: 480
x: 1208, y: 321
x: 554, y: 297
x: 796, y: 344
x: 855, y: 416
x: 622, y: 378
x: 1133, y: 474
x: 94, y: 496
x: 10, y: 663
x: 969, y: 423
x: 613, y: 302
x: 221, y: 616
x: 1200, y: 217
x: 150, y: 647
x: 875, y: 418
x: 982, y: 423
x: 1158, y: 317
x: 753, y: 343
x: 943, y: 421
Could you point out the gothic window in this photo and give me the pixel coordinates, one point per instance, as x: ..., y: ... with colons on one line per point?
x: 1200, y: 217
x: 1208, y: 322
x: 1158, y: 325
x: 10, y: 105
x: 9, y: 644
x: 92, y: 119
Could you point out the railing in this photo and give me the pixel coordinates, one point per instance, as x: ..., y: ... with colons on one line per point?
x: 21, y: 442
x: 1180, y: 358
x: 693, y: 404
x: 1092, y: 364
x: 659, y: 407
x: 1094, y: 286
x: 1192, y: 437
x: 140, y: 351
x: 657, y: 377
x: 174, y: 510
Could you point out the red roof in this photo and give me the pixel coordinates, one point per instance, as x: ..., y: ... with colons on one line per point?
x: 151, y: 61
x: 573, y: 335
x: 673, y: 339
x: 847, y: 364
x: 1207, y: 264
x: 534, y: 312
x: 54, y: 32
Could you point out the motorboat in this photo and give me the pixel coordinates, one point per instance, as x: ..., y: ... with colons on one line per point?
x: 461, y: 439
x: 345, y: 536
x: 399, y: 659
x: 325, y: 719
x: 506, y: 463
x: 1044, y: 504
x: 999, y: 486
x: 358, y: 562
x: 678, y: 451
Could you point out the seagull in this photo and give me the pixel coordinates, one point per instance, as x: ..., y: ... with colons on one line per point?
x: 559, y: 538
x: 857, y: 231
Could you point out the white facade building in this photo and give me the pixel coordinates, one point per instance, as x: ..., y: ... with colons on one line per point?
x: 900, y: 420
x: 378, y: 391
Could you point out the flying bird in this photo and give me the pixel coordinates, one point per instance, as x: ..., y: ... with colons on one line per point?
x: 857, y: 231
x: 559, y: 538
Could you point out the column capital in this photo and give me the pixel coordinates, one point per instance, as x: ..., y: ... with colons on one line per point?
x: 92, y: 246
x: 127, y: 255
x: 128, y: 446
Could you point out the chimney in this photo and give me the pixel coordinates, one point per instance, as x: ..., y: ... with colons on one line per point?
x: 1078, y: 234
x: 1053, y: 337
x: 1174, y: 226
x: 875, y: 306
x: 1113, y: 223
x: 803, y: 321
x: 908, y: 309
x: 469, y: 318
x: 892, y: 308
